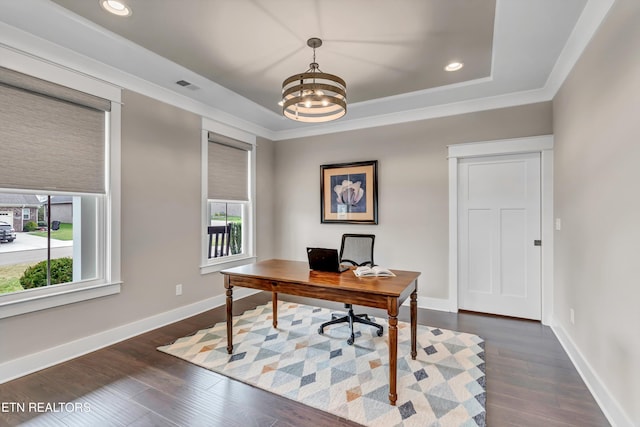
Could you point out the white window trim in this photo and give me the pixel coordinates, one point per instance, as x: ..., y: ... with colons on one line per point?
x: 28, y: 216
x: 213, y: 265
x: 14, y: 304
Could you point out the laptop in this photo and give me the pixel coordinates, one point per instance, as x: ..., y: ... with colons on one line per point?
x: 322, y: 259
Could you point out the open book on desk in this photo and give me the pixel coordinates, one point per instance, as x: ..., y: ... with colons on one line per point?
x: 376, y: 271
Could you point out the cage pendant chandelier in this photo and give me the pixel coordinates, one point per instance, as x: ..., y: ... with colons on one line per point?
x: 314, y: 96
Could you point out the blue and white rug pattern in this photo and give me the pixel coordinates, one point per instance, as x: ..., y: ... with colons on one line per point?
x: 443, y: 387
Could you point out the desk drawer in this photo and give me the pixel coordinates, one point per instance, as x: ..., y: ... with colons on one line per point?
x: 328, y: 293
x: 289, y: 288
x: 273, y: 286
x: 250, y: 282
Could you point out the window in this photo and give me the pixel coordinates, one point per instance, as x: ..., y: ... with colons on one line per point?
x: 68, y: 160
x: 58, y: 251
x: 231, y: 216
x: 228, y: 227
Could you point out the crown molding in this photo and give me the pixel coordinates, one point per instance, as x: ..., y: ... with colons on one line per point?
x: 477, y: 95
x: 588, y: 23
x: 436, y: 111
x: 23, y: 43
x: 593, y: 14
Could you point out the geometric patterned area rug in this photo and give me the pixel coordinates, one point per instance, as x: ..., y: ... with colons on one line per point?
x: 444, y: 386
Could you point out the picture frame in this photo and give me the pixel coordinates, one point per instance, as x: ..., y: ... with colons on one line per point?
x: 349, y: 193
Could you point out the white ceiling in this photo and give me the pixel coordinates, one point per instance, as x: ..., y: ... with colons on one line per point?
x: 381, y: 48
x: 392, y: 53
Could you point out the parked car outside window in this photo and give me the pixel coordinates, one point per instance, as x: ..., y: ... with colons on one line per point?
x: 7, y: 233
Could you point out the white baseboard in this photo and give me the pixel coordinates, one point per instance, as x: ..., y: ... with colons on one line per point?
x: 439, y: 304
x: 609, y: 405
x: 429, y: 303
x: 52, y: 356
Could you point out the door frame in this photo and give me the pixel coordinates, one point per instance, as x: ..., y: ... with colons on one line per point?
x: 536, y: 144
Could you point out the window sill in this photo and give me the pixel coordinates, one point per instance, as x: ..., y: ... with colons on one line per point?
x: 44, y: 298
x: 236, y: 262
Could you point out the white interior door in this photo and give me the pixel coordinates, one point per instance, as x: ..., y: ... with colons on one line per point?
x: 498, y: 226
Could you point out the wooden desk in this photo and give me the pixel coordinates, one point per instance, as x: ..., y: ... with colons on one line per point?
x: 295, y: 278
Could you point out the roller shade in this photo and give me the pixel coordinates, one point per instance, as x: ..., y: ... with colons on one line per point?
x: 33, y: 84
x: 52, y: 137
x: 228, y: 170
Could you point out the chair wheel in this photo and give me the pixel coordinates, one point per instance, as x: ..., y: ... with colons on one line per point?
x: 350, y: 341
x: 321, y: 331
x: 379, y: 333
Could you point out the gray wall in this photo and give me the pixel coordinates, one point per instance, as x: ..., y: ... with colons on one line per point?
x: 597, y: 158
x: 413, y: 186
x: 161, y: 231
x: 265, y: 190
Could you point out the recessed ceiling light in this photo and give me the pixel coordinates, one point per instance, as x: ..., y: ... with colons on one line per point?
x: 116, y: 7
x: 454, y: 66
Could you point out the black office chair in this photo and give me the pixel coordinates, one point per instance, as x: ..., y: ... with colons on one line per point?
x: 356, y: 249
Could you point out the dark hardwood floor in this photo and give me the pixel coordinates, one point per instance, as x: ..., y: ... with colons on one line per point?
x: 530, y: 382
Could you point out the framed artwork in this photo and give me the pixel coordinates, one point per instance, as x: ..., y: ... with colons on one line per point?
x: 349, y: 193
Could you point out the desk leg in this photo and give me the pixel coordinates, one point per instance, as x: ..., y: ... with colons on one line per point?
x: 393, y: 355
x: 414, y: 322
x: 229, y: 288
x: 274, y: 303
